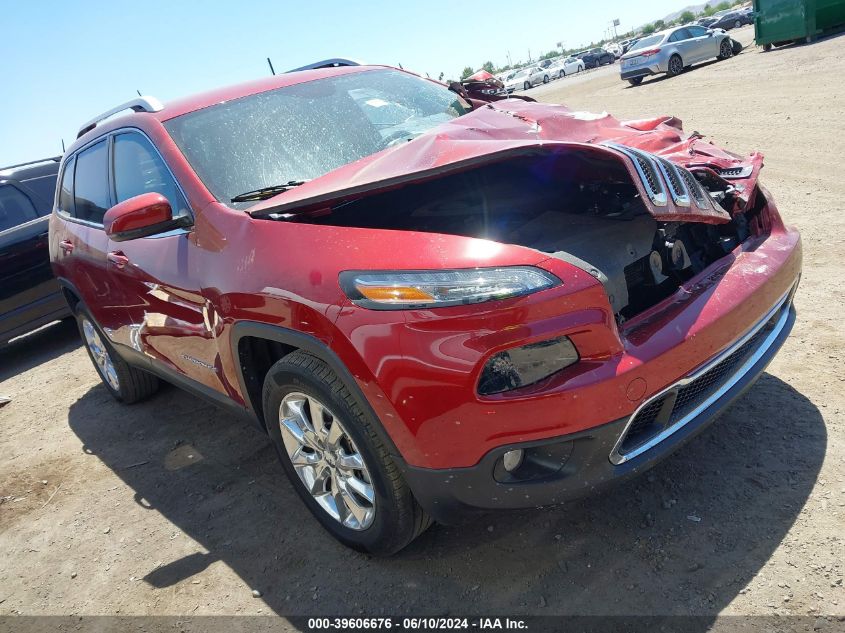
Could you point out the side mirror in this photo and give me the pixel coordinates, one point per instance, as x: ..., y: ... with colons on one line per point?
x: 141, y: 216
x: 711, y: 32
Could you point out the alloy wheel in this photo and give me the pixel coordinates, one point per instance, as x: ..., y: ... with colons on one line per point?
x: 676, y: 65
x: 726, y: 48
x: 327, y: 461
x: 100, y: 353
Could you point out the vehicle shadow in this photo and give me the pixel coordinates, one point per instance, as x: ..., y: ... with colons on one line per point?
x: 37, y: 348
x: 683, y: 539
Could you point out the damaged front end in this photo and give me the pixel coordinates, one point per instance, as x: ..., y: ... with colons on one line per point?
x: 639, y: 223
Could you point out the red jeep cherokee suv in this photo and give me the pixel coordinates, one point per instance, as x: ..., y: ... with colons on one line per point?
x: 430, y: 303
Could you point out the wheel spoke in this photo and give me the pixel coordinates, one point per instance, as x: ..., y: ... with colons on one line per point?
x: 334, y: 435
x: 318, y: 418
x: 362, y: 488
x: 353, y: 506
x: 301, y: 458
x: 351, y: 462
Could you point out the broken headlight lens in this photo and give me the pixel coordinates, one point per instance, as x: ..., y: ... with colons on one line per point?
x: 441, y: 288
x: 522, y: 366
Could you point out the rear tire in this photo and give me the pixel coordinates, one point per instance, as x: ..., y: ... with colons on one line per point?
x: 526, y: 86
x: 676, y: 66
x: 562, y: 74
x: 393, y: 517
x: 125, y: 383
x: 737, y: 24
x: 767, y: 48
x: 636, y: 81
x: 545, y: 79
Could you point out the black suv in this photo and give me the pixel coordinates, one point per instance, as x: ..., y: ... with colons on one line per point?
x: 29, y: 294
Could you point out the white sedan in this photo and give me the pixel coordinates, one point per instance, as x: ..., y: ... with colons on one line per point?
x: 564, y: 67
x: 527, y: 78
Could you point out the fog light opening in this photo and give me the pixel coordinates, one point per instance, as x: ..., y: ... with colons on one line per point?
x: 513, y: 459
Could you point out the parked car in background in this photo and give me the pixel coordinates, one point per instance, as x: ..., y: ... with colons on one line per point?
x: 29, y: 294
x: 706, y: 22
x: 527, y: 78
x: 614, y: 49
x: 563, y: 67
x: 627, y: 44
x: 733, y: 20
x: 597, y: 57
x: 670, y: 51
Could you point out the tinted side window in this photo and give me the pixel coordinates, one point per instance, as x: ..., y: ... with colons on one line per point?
x: 697, y: 31
x: 680, y: 35
x: 45, y: 192
x: 139, y: 169
x: 66, y: 189
x: 91, y: 185
x: 15, y: 208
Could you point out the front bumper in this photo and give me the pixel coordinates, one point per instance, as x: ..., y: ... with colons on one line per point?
x: 575, y: 465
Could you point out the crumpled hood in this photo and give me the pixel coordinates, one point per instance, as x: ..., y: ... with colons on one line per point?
x: 511, y: 127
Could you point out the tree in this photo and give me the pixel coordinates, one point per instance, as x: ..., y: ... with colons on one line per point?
x: 722, y: 6
x: 708, y: 11
x: 467, y: 72
x: 686, y: 16
x: 648, y: 29
x: 659, y: 25
x: 488, y: 66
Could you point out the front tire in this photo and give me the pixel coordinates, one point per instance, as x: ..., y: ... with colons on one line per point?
x: 545, y: 79
x: 124, y: 382
x: 726, y: 49
x: 562, y: 74
x: 526, y: 86
x: 333, y: 455
x: 636, y: 81
x: 737, y: 24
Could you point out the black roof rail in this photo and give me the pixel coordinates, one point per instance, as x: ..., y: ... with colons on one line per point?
x: 334, y: 62
x: 54, y: 159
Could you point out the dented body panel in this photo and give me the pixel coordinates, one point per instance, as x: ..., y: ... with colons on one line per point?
x: 182, y: 304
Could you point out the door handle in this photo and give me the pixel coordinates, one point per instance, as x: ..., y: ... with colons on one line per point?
x: 118, y: 259
x: 66, y: 246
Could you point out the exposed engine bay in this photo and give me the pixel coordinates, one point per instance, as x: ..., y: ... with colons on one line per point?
x: 581, y: 207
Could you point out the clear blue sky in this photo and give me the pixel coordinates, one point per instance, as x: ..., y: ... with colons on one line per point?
x: 64, y: 62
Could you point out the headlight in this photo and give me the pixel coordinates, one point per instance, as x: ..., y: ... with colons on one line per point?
x: 435, y: 289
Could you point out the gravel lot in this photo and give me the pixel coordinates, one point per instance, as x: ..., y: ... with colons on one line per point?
x: 168, y: 507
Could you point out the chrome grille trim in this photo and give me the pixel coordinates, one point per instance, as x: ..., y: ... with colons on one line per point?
x: 648, y: 172
x: 677, y: 187
x: 617, y: 457
x: 700, y: 197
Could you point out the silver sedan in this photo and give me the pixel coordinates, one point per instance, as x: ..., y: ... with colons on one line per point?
x: 672, y: 50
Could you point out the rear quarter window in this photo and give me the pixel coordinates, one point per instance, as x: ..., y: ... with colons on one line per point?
x: 15, y: 208
x: 91, y: 185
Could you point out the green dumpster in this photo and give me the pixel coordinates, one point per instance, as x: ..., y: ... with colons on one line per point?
x: 785, y: 21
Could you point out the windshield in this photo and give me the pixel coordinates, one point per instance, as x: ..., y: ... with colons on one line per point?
x: 648, y: 41
x: 303, y: 131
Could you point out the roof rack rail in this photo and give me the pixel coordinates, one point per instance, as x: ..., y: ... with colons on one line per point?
x: 334, y: 62
x: 54, y: 159
x: 139, y: 104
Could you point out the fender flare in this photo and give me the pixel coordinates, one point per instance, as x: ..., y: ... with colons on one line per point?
x: 318, y: 348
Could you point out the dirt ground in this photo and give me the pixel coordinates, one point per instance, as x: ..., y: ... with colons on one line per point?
x: 170, y: 507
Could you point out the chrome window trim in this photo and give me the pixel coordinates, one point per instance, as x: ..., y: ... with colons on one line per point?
x: 109, y: 138
x: 617, y: 457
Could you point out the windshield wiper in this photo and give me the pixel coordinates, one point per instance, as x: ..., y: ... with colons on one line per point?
x: 267, y: 192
